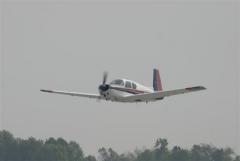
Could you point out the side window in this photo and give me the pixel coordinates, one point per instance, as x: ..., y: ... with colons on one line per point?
x: 134, y: 86
x: 128, y: 84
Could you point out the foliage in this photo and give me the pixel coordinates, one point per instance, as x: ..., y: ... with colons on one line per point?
x: 31, y: 149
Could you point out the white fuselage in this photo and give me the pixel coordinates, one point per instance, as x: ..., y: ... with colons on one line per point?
x: 119, y: 90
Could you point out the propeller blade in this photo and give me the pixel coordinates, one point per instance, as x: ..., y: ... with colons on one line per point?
x: 105, y: 75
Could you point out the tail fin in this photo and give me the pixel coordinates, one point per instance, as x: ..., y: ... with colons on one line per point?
x: 157, y: 84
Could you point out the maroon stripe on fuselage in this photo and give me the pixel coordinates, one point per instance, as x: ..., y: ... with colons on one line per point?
x: 129, y: 90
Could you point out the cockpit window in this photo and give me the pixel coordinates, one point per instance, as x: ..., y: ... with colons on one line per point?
x: 128, y: 84
x: 117, y: 82
x: 134, y: 86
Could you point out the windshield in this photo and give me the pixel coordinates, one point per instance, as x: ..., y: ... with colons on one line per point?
x: 117, y: 82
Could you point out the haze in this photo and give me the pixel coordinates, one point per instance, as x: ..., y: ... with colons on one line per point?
x: 67, y: 46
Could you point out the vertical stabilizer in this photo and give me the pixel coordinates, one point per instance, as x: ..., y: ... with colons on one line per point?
x: 157, y: 84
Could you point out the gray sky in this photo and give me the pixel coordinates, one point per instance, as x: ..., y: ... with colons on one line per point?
x: 67, y: 46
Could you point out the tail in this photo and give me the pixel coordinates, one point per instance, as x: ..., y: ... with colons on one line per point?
x: 157, y: 84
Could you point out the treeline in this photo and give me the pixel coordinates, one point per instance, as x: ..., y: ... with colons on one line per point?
x: 31, y: 149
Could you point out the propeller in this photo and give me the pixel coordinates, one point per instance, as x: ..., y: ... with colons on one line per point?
x: 105, y: 75
x: 104, y: 86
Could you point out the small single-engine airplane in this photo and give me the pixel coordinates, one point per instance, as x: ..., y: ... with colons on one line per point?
x: 123, y: 90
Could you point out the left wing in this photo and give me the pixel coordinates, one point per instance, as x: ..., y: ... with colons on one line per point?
x: 88, y: 95
x: 161, y: 94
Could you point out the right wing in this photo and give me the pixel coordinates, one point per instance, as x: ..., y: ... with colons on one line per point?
x: 161, y: 94
x: 88, y: 95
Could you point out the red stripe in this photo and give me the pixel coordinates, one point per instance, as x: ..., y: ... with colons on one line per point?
x: 158, y: 80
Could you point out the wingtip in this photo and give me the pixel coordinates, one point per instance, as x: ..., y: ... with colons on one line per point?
x: 201, y: 87
x: 44, y: 90
x: 204, y: 88
x: 197, y: 88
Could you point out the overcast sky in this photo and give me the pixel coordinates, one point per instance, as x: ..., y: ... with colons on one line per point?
x: 67, y: 46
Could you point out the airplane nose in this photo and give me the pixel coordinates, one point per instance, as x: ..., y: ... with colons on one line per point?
x: 104, y: 87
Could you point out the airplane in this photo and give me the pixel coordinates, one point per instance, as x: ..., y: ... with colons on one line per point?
x: 124, y: 90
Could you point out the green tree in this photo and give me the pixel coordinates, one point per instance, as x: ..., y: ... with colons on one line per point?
x: 90, y: 158
x: 75, y: 153
x: 108, y: 155
x: 31, y: 149
x: 7, y: 146
x: 237, y: 158
x: 161, y: 150
x: 179, y: 154
x: 146, y: 155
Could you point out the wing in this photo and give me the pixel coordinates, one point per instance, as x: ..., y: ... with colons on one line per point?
x: 161, y: 94
x: 96, y: 96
